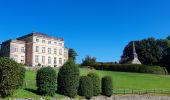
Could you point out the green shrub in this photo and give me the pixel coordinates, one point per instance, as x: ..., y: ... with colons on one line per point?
x: 130, y: 68
x: 9, y: 76
x: 46, y: 81
x: 68, y: 79
x: 96, y: 83
x: 107, y: 86
x: 86, y: 87
x: 22, y: 75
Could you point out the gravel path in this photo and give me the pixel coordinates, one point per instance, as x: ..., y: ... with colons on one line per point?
x: 129, y: 97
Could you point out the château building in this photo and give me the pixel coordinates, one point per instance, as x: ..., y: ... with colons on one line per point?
x: 36, y: 49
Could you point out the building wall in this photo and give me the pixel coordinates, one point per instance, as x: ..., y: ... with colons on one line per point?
x: 17, y: 51
x: 39, y: 49
x: 54, y: 52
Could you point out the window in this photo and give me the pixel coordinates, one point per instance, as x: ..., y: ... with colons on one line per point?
x: 22, y: 59
x: 22, y: 49
x: 49, y: 50
x: 15, y: 49
x: 55, y: 60
x: 43, y: 41
x: 37, y: 49
x: 36, y: 59
x: 37, y: 40
x: 55, y: 51
x: 49, y: 60
x: 65, y: 54
x: 43, y: 59
x: 55, y: 43
x: 60, y: 52
x: 43, y: 49
x: 49, y: 42
x: 60, y: 61
x: 15, y: 57
x: 60, y: 44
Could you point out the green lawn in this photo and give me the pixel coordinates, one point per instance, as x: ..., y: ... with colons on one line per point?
x: 121, y: 80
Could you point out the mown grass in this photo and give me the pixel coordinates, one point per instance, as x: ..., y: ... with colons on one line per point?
x: 121, y: 80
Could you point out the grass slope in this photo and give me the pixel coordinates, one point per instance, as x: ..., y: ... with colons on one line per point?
x: 121, y: 80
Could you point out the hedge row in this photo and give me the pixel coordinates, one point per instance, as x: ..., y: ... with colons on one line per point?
x: 90, y: 86
x: 131, y: 68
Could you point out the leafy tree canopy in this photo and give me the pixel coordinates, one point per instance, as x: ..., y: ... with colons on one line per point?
x: 72, y: 54
x: 149, y: 51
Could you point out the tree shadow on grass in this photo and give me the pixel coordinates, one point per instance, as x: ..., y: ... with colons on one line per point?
x: 32, y: 90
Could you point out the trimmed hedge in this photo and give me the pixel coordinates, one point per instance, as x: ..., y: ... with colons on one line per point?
x: 11, y: 76
x: 86, y: 87
x: 46, y: 81
x: 96, y: 83
x: 131, y: 68
x: 68, y: 79
x: 107, y: 86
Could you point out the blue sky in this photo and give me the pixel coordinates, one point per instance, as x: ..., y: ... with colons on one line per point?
x: 99, y: 28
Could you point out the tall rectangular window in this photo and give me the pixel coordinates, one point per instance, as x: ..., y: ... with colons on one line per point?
x: 60, y: 61
x: 55, y: 60
x: 60, y: 52
x: 36, y: 58
x: 49, y: 42
x: 43, y: 41
x: 37, y: 40
x: 43, y: 59
x: 22, y: 49
x: 49, y: 50
x: 65, y: 54
x: 22, y: 59
x: 49, y: 60
x: 43, y: 49
x: 37, y: 49
x: 55, y: 51
x: 15, y: 49
x: 15, y: 58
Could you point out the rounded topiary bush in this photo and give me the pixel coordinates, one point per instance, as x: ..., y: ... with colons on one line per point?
x: 10, y: 76
x: 107, y: 86
x: 68, y: 79
x: 46, y: 80
x: 96, y: 83
x: 86, y: 87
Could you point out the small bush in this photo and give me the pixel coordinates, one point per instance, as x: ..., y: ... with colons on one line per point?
x: 86, y: 87
x: 130, y: 68
x: 96, y: 83
x: 68, y: 79
x: 46, y: 81
x: 107, y: 86
x: 10, y: 76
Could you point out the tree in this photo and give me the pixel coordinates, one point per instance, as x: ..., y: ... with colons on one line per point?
x: 86, y: 87
x: 165, y: 60
x: 72, y: 54
x: 46, y: 80
x: 96, y: 83
x: 150, y: 51
x: 88, y: 61
x: 11, y: 76
x: 107, y: 86
x: 168, y: 37
x: 68, y: 79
